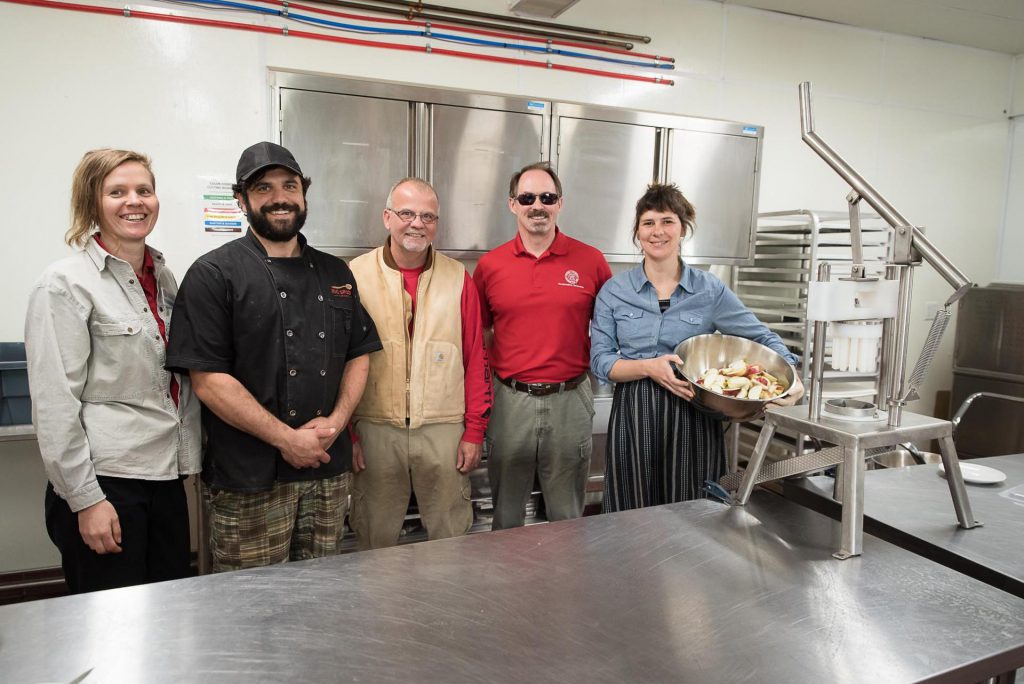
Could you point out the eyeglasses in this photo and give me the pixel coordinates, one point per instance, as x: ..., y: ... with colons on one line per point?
x: 408, y: 216
x: 528, y: 198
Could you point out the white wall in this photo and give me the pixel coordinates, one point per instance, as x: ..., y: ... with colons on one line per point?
x: 23, y: 541
x: 924, y: 121
x: 1011, y: 247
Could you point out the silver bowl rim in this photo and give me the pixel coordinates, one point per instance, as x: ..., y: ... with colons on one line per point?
x: 693, y: 382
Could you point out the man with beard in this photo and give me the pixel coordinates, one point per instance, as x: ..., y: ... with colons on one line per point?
x: 537, y: 293
x: 276, y: 342
x: 422, y: 419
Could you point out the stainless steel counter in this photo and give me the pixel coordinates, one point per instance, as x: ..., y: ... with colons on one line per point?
x: 910, y: 508
x: 695, y: 592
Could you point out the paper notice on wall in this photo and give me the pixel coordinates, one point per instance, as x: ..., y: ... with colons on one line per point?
x: 220, y: 211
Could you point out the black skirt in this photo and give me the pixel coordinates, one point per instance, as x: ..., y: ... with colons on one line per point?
x: 660, y: 448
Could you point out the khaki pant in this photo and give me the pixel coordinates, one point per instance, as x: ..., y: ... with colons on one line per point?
x: 550, y: 437
x: 400, y: 460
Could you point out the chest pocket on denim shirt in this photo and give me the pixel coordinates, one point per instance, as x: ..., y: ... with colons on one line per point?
x: 342, y: 310
x: 633, y: 324
x: 696, y: 320
x: 121, y: 362
x: 691, y: 324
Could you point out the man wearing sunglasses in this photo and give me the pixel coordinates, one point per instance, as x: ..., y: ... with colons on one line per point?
x: 421, y: 421
x: 537, y: 295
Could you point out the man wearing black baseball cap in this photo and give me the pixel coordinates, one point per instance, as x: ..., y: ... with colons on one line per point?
x: 276, y: 340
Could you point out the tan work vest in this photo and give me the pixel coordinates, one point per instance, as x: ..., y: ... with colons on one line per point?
x: 424, y: 381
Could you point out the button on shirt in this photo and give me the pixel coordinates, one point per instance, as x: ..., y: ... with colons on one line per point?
x: 628, y: 323
x: 284, y: 328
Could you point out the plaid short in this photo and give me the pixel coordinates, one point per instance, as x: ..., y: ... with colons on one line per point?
x: 292, y: 521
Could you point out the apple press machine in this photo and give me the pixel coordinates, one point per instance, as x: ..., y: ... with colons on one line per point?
x: 866, y: 312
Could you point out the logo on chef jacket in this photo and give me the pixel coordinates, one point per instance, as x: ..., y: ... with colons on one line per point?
x: 341, y: 290
x: 572, y: 279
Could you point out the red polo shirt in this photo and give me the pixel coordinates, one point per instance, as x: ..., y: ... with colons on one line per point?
x: 540, y: 307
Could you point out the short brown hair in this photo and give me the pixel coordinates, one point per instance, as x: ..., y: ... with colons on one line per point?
x: 513, y: 184
x: 665, y: 197
x: 86, y: 185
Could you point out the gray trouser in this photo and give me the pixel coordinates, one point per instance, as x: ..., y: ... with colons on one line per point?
x: 549, y: 436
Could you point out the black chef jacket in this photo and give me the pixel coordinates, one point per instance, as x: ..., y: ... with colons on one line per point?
x: 284, y: 328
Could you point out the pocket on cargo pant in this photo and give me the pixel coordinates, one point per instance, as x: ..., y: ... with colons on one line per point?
x: 586, y: 448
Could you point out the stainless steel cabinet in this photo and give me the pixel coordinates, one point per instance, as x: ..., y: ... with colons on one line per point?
x: 718, y: 174
x: 607, y: 157
x: 472, y: 154
x: 356, y: 138
x: 989, y: 357
x: 353, y: 148
x: 604, y: 168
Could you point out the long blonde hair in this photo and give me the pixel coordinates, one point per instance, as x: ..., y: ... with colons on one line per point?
x: 86, y: 185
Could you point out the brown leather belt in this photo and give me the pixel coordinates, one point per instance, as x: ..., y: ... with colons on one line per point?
x: 541, y: 389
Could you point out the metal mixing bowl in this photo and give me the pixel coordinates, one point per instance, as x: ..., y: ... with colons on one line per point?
x: 702, y: 352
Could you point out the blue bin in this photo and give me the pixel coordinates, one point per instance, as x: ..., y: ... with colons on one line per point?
x: 13, y: 380
x: 15, y: 404
x: 15, y: 411
x: 12, y: 351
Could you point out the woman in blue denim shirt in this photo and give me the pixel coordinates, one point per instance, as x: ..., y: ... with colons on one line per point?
x: 660, y: 448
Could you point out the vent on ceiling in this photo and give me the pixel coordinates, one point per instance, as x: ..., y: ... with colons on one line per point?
x: 540, y: 8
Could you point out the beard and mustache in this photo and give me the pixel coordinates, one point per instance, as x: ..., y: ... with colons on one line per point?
x: 272, y: 229
x: 537, y: 213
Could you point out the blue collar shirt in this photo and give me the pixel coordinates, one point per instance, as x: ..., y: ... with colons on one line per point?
x: 628, y: 322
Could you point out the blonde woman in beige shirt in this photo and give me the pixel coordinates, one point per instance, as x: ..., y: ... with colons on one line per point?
x: 117, y: 432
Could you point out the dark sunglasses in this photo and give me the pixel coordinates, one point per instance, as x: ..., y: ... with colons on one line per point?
x: 528, y: 198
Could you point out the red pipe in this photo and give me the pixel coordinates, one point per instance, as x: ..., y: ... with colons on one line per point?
x: 464, y: 29
x: 56, y: 4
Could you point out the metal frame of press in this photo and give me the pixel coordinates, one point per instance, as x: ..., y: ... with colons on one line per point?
x: 869, y: 431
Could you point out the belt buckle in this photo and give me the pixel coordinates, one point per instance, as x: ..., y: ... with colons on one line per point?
x: 536, y: 389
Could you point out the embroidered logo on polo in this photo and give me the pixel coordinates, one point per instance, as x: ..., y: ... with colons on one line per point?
x: 572, y: 279
x: 341, y: 290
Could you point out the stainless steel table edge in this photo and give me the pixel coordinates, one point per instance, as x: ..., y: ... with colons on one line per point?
x: 688, y: 592
x: 815, y: 493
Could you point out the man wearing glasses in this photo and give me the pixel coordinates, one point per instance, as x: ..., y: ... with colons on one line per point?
x: 421, y: 421
x: 537, y: 293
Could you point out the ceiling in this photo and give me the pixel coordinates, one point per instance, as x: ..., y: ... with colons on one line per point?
x: 988, y: 24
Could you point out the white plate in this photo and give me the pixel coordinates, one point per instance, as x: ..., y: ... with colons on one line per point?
x: 978, y: 474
